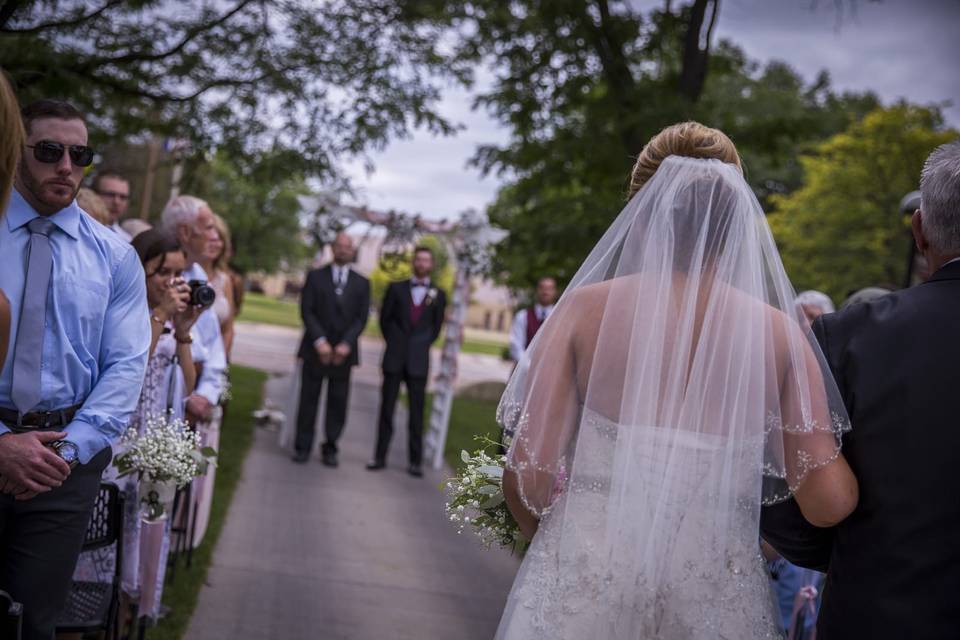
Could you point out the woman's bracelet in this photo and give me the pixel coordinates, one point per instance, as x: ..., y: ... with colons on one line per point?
x: 156, y: 319
x: 181, y: 340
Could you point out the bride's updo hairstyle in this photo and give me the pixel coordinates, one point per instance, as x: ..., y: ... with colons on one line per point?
x: 690, y: 139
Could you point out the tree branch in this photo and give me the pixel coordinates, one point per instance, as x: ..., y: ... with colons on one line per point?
x: 693, y: 75
x: 153, y: 57
x: 129, y: 90
x: 61, y: 24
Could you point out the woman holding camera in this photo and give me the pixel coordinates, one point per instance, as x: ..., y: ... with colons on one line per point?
x: 170, y: 378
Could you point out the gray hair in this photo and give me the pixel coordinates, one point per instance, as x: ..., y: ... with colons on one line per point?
x: 816, y: 299
x: 181, y: 210
x: 940, y: 199
x: 864, y: 295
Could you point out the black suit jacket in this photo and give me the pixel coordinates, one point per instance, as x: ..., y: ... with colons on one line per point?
x: 336, y: 318
x: 408, y: 345
x: 894, y: 563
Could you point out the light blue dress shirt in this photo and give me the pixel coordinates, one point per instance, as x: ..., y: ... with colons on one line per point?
x: 209, y: 348
x: 97, y: 325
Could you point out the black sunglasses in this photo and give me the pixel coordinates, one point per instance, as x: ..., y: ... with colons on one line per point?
x: 49, y: 152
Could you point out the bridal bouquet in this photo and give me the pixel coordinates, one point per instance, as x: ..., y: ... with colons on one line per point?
x: 166, y: 456
x: 475, y: 500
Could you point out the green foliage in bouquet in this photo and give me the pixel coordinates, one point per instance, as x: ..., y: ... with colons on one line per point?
x: 475, y: 500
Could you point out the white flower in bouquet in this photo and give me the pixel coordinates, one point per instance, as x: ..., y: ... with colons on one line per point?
x: 168, y: 452
x: 475, y: 499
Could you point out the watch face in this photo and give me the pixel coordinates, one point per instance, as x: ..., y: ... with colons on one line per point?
x: 68, y: 452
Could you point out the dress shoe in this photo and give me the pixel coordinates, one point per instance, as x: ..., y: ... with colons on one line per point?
x: 376, y: 465
x: 301, y: 457
x: 415, y: 471
x: 329, y: 458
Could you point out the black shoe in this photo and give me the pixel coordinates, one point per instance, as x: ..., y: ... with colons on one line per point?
x: 415, y: 471
x: 301, y: 457
x: 329, y: 458
x: 376, y: 465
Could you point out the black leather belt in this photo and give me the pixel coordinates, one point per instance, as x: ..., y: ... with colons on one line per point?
x: 38, y: 419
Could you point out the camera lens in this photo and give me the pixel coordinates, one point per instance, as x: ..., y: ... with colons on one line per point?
x: 201, y: 294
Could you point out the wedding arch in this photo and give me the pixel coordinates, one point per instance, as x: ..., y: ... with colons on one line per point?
x: 467, y: 241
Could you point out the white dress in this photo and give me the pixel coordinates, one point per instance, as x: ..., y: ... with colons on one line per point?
x: 586, y: 577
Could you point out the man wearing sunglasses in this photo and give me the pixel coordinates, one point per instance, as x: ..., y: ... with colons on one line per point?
x: 79, y: 338
x: 114, y: 190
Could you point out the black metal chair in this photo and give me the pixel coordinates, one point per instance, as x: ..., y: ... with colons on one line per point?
x: 182, y: 530
x: 94, y: 606
x: 11, y: 618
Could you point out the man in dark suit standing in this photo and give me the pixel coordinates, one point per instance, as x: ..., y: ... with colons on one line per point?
x: 894, y: 564
x: 410, y: 318
x: 334, y: 304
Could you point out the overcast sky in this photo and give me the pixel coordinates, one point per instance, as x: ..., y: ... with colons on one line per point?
x: 897, y: 48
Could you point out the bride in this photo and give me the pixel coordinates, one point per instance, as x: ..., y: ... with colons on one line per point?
x: 673, y: 391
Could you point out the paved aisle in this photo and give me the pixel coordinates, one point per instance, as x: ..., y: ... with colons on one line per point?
x: 312, y: 552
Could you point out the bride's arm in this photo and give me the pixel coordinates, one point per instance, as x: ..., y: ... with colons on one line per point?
x: 550, y: 417
x: 828, y: 492
x: 527, y: 522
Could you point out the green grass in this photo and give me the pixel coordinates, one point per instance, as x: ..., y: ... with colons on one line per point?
x: 258, y: 307
x: 469, y: 418
x: 237, y: 429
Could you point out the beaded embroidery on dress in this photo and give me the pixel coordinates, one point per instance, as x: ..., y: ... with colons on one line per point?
x: 575, y: 583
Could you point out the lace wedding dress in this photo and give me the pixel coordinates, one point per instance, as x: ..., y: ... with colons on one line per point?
x: 574, y: 583
x: 672, y: 392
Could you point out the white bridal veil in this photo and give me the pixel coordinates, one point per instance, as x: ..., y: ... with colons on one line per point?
x: 680, y: 326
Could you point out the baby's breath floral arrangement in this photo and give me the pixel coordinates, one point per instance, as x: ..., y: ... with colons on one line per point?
x: 167, y: 453
x: 475, y: 500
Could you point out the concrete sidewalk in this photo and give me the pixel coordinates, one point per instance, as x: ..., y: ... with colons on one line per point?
x: 312, y: 552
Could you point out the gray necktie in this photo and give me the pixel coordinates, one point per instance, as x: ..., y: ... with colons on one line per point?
x: 33, y: 318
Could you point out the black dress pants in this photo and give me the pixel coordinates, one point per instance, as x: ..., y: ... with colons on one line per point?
x: 416, y: 391
x: 40, y: 541
x: 338, y: 395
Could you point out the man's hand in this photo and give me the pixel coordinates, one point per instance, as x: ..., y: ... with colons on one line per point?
x: 341, y: 353
x: 324, y: 352
x: 199, y: 409
x: 28, y: 466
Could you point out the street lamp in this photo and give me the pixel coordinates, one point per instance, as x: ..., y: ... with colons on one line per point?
x: 908, y: 204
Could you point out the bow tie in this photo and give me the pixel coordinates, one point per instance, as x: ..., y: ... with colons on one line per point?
x: 419, y: 283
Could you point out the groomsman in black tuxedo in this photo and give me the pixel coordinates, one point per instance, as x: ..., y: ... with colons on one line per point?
x: 335, y: 304
x: 410, y: 318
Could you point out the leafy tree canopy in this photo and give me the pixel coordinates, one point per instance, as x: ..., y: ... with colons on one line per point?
x: 320, y: 80
x: 843, y: 230
x: 583, y: 84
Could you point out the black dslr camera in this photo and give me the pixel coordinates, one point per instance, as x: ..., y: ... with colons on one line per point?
x: 201, y: 294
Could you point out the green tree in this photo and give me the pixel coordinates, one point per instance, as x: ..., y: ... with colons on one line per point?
x: 583, y: 84
x: 326, y: 80
x: 259, y: 201
x: 843, y: 229
x: 442, y: 275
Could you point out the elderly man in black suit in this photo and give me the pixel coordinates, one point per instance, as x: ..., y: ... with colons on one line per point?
x: 410, y: 318
x: 335, y: 305
x: 894, y: 564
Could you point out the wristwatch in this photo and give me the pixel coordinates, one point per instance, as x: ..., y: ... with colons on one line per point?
x: 68, y: 451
